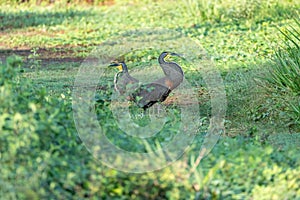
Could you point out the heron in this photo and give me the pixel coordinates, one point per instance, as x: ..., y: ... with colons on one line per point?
x: 146, y: 95
x: 158, y: 91
x: 123, y: 80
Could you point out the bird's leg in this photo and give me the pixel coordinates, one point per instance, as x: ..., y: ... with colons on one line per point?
x: 144, y: 113
x: 154, y: 110
x: 159, y: 109
x: 141, y: 113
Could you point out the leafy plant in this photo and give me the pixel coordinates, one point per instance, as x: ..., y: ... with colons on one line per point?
x: 295, y: 110
x: 34, y: 61
x: 285, y: 69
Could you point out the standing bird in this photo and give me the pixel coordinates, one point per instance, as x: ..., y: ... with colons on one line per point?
x: 157, y: 91
x: 123, y: 81
x: 148, y: 94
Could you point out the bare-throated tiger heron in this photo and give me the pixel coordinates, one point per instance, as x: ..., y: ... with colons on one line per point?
x: 158, y: 91
x: 148, y: 94
x: 123, y: 81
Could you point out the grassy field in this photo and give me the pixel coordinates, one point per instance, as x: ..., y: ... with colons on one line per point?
x: 257, y: 157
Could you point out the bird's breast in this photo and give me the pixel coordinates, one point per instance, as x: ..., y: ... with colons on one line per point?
x: 169, y: 83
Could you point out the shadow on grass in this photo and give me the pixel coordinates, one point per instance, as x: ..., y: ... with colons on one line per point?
x: 24, y: 19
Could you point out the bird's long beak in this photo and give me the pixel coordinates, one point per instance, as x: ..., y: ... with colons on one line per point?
x: 176, y: 54
x: 118, y: 65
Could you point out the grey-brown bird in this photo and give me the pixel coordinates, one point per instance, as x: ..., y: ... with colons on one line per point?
x: 147, y: 95
x: 123, y: 81
x: 158, y: 91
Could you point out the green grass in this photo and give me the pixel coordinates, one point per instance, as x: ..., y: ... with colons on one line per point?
x: 256, y: 158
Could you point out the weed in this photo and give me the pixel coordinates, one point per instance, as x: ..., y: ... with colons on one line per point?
x: 34, y: 60
x: 285, y: 70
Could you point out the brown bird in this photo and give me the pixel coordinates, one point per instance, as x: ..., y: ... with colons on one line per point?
x: 147, y: 95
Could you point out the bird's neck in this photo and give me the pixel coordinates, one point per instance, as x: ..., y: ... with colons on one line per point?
x: 171, y: 68
x: 161, y: 60
x: 125, y: 70
x: 165, y: 64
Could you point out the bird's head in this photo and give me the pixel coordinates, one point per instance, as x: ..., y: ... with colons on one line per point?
x: 120, y: 66
x: 168, y: 55
x: 170, y: 67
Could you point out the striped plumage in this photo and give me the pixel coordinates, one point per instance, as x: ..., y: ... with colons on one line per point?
x: 123, y: 81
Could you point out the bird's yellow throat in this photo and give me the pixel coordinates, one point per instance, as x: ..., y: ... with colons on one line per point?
x: 120, y: 68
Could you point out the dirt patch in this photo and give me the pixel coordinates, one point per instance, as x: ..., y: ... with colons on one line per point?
x: 58, y: 55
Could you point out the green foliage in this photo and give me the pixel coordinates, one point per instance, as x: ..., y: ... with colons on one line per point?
x: 295, y: 111
x: 41, y: 156
x: 285, y: 70
x: 71, y: 25
x: 235, y: 171
x: 233, y: 10
x: 47, y: 2
x: 280, y: 184
x: 35, y: 62
x: 284, y: 73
